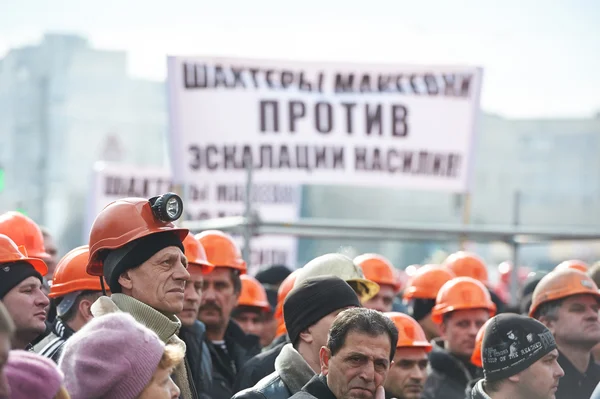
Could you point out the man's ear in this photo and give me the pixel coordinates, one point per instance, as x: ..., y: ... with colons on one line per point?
x: 515, y: 378
x: 125, y: 280
x: 85, y: 310
x: 306, y: 336
x: 443, y: 329
x: 324, y: 357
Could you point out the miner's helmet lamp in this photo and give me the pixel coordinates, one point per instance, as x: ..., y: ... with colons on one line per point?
x: 167, y: 207
x: 129, y: 219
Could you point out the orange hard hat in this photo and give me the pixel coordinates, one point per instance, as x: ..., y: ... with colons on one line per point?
x: 410, y: 333
x: 462, y: 293
x: 466, y: 264
x: 476, y: 355
x: 221, y: 250
x: 253, y: 294
x: 24, y: 232
x: 573, y: 264
x: 10, y: 253
x: 379, y: 269
x: 283, y: 291
x: 195, y: 254
x: 70, y: 274
x: 427, y: 281
x: 128, y: 219
x: 560, y: 284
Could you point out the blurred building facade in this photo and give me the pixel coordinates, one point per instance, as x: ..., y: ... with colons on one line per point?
x: 65, y: 105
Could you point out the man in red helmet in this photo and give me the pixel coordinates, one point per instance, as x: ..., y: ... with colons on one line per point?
x: 21, y: 292
x: 139, y: 251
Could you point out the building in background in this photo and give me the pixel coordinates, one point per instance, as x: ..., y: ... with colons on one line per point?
x: 65, y: 105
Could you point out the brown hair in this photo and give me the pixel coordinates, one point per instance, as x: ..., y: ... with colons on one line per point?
x: 62, y: 394
x: 172, y: 356
x: 6, y: 323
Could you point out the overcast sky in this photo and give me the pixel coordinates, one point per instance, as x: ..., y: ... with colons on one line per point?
x: 541, y: 58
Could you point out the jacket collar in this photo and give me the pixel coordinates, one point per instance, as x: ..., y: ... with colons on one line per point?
x: 317, y: 387
x: 293, y: 369
x: 62, y: 329
x: 478, y: 392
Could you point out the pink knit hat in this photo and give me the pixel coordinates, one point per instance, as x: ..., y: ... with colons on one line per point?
x: 32, y: 376
x: 113, y: 356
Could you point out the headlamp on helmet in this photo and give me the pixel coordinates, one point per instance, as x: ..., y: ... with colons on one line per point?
x: 167, y: 207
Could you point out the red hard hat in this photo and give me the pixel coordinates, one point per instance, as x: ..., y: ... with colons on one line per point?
x: 379, y: 269
x: 10, y: 253
x: 253, y: 294
x: 24, y: 232
x: 221, y: 250
x: 195, y: 254
x: 71, y: 275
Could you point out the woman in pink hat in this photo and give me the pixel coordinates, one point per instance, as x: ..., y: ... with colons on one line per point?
x: 115, y: 357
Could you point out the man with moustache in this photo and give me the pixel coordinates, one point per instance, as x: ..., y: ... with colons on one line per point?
x: 229, y: 346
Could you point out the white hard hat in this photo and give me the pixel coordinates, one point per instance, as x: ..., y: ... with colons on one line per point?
x: 340, y: 266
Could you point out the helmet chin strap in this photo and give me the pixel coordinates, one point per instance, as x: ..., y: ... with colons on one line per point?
x: 102, y: 285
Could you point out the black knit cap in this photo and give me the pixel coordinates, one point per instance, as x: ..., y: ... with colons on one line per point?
x: 314, y: 299
x: 133, y: 254
x: 273, y: 275
x: 512, y: 343
x: 11, y: 275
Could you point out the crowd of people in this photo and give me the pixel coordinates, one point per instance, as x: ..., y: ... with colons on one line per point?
x: 147, y: 310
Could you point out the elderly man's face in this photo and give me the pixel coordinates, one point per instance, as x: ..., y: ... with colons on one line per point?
x: 160, y: 281
x: 359, y: 367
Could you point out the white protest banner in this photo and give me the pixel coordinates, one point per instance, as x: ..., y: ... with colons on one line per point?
x: 323, y: 123
x: 114, y: 181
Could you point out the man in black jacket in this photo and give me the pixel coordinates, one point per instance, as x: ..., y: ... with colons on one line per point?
x: 309, y: 312
x: 229, y: 346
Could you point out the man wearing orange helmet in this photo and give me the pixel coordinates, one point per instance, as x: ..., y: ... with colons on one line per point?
x: 467, y: 264
x: 229, y: 346
x: 252, y: 306
x: 193, y: 331
x: 566, y: 301
x: 138, y: 250
x: 420, y: 293
x: 408, y: 374
x: 21, y: 292
x: 73, y: 291
x: 463, y: 305
x: 380, y: 270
